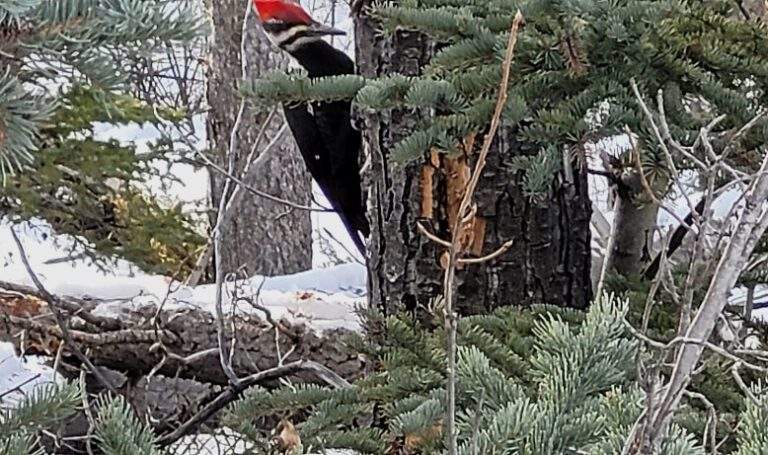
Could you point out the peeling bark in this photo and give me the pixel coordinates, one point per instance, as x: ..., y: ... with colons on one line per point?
x: 550, y: 259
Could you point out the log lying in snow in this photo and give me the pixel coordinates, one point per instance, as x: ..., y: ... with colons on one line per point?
x: 163, y: 357
x: 174, y: 342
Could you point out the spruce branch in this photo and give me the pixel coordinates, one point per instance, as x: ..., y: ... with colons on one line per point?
x: 235, y: 390
x: 43, y: 407
x: 21, y: 116
x: 119, y: 432
x: 11, y: 11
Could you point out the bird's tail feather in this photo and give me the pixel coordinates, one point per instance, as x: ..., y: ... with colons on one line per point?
x: 354, y: 234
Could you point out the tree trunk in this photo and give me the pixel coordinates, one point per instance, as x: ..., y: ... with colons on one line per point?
x: 634, y: 226
x: 550, y: 259
x: 263, y: 237
x: 634, y: 220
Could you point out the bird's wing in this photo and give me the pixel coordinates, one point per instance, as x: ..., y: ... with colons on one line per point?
x: 342, y: 191
x: 344, y: 144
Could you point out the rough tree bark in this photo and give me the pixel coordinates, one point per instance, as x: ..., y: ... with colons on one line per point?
x: 550, y: 259
x: 263, y: 237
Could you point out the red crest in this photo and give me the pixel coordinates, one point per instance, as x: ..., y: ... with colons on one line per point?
x: 282, y: 11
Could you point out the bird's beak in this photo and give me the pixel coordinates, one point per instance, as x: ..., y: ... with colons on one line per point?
x: 318, y: 29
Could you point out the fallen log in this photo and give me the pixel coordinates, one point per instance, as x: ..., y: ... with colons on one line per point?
x: 164, y: 358
x: 178, y: 342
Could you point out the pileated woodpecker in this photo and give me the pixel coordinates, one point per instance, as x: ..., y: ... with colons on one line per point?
x: 323, y: 131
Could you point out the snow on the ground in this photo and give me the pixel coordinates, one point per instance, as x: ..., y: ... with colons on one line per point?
x: 23, y: 373
x: 322, y: 298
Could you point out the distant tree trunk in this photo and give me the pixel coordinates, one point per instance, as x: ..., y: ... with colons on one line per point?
x: 634, y: 224
x: 263, y: 237
x: 550, y: 259
x: 635, y: 216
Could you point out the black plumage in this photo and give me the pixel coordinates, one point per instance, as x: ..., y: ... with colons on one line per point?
x: 328, y: 143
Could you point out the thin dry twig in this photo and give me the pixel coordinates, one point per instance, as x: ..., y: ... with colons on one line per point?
x: 19, y: 386
x: 255, y: 191
x: 54, y: 303
x: 226, y: 364
x: 608, y: 252
x: 692, y: 338
x: 662, y: 138
x: 426, y: 233
x: 235, y: 390
x: 743, y: 385
x: 710, y: 429
x: 647, y: 185
x: 463, y: 213
x: 488, y: 257
x: 683, y: 340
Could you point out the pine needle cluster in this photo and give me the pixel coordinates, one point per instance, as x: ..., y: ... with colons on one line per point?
x: 571, y: 72
x: 117, y: 430
x: 89, y: 187
x: 64, y: 66
x: 541, y: 380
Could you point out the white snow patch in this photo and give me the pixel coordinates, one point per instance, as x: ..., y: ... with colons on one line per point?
x: 324, y: 299
x: 22, y: 374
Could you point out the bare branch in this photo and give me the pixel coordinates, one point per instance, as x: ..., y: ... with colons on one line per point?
x: 255, y: 191
x: 234, y: 391
x: 432, y: 236
x: 53, y: 304
x: 751, y: 225
x: 489, y: 257
x: 19, y: 386
x: 464, y: 210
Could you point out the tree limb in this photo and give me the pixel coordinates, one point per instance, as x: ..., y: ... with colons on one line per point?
x: 234, y: 391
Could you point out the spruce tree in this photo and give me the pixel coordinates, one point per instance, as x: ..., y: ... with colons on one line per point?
x: 570, y: 89
x: 542, y: 380
x: 65, y: 65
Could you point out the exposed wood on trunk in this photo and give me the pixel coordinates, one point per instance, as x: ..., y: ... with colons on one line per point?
x: 457, y: 174
x: 453, y: 172
x: 427, y: 186
x: 550, y: 259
